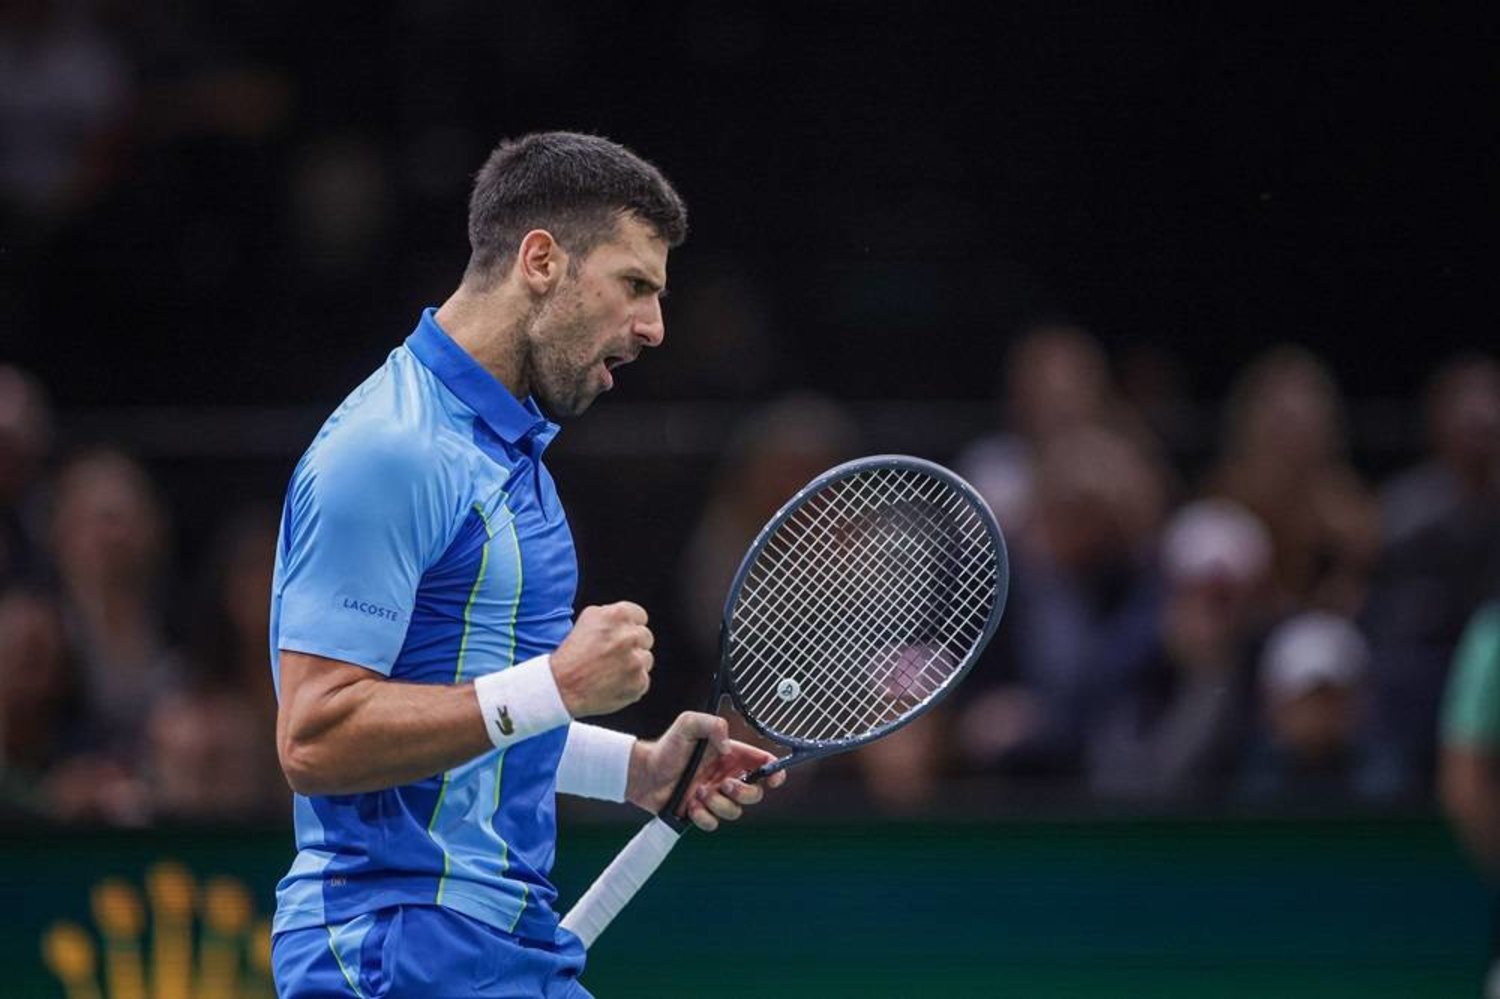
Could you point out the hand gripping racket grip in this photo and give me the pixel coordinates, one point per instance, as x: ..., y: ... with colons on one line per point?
x: 620, y: 881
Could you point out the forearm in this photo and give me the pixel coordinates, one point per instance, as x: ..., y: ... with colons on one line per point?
x: 371, y: 734
x: 343, y: 729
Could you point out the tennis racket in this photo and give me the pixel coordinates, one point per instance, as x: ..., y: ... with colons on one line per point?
x: 859, y: 606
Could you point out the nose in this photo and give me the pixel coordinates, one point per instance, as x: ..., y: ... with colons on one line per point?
x: 650, y: 327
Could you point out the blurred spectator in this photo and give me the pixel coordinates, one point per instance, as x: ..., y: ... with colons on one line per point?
x: 64, y: 90
x: 900, y: 774
x: 1155, y: 384
x: 1056, y: 379
x: 38, y: 699
x: 1471, y: 757
x: 96, y: 787
x: 109, y: 541
x: 1463, y: 469
x: 202, y: 745
x: 25, y: 440
x: 1172, y: 726
x: 1315, y: 749
x: 1284, y: 459
x: 775, y: 452
x: 1440, y: 563
x: 228, y: 640
x: 1471, y: 739
x: 230, y: 676
x: 1082, y: 603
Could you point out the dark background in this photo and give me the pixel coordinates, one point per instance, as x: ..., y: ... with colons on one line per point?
x: 901, y: 184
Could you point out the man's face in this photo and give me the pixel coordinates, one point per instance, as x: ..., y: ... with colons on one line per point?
x: 605, y: 311
x: 1318, y: 724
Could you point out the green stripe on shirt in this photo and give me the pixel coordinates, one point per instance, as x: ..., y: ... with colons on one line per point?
x: 515, y: 609
x: 458, y: 672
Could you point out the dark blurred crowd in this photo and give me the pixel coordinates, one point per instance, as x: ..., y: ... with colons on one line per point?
x: 126, y: 696
x: 1268, y: 630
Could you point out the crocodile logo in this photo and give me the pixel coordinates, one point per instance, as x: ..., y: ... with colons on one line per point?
x: 507, y: 727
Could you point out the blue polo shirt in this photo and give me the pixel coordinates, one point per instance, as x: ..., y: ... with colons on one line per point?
x: 422, y: 538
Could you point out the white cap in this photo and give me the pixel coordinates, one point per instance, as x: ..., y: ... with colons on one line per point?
x: 1215, y: 538
x: 1312, y: 650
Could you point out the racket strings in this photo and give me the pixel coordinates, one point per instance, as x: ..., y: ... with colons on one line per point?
x: 820, y: 578
x: 950, y: 584
x: 909, y: 622
x: 882, y: 674
x: 887, y: 680
x: 867, y: 599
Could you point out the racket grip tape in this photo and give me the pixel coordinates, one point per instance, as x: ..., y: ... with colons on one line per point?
x: 619, y: 882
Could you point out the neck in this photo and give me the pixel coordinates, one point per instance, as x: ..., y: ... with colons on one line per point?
x: 490, y: 324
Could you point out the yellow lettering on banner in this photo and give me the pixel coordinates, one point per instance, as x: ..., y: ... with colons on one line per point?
x: 121, y: 920
x: 233, y: 959
x: 170, y: 888
x: 70, y: 955
x: 226, y: 916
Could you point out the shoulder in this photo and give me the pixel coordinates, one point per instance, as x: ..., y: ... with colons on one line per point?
x: 369, y: 460
x: 395, y: 441
x: 398, y: 422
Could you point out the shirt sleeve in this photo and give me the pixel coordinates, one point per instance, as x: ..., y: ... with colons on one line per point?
x: 1471, y: 710
x: 367, y: 513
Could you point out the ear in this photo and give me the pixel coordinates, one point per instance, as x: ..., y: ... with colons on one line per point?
x: 541, y: 261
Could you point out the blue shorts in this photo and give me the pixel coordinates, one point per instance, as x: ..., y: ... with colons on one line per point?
x: 423, y: 951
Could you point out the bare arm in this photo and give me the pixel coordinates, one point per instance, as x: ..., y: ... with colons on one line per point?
x: 343, y: 729
x: 1470, y: 785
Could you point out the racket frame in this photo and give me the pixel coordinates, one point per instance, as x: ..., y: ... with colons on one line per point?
x: 805, y: 750
x: 629, y: 871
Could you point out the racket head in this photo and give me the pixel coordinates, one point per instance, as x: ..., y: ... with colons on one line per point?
x: 907, y: 525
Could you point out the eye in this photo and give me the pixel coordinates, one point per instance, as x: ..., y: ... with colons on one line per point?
x: 640, y: 287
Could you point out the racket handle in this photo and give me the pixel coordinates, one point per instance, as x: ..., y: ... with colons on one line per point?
x: 765, y: 770
x: 620, y: 881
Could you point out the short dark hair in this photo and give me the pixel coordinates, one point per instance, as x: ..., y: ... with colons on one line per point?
x: 573, y: 185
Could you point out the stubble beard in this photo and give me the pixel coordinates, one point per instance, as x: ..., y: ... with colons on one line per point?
x: 561, y: 361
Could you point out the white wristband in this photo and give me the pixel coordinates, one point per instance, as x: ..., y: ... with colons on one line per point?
x: 595, y: 762
x: 520, y: 702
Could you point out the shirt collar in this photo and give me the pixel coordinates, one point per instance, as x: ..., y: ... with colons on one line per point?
x: 481, y: 391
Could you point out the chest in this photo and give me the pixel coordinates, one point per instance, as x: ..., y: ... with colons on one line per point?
x: 506, y: 583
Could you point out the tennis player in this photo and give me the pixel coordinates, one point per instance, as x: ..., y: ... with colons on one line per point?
x: 427, y: 663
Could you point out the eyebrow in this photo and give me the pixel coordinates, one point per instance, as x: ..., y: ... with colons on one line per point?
x: 636, y: 274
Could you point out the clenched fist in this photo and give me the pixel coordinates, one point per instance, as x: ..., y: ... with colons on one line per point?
x: 605, y: 662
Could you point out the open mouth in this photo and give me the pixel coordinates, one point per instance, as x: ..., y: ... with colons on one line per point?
x: 612, y: 361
